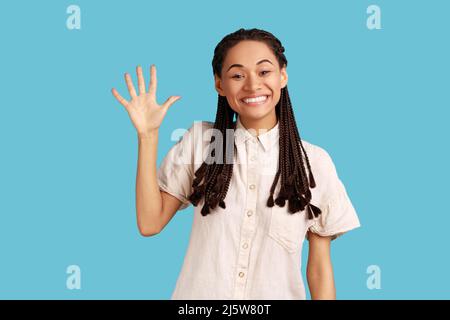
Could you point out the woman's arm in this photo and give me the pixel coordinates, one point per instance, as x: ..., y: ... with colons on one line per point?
x: 320, y: 270
x: 153, y: 208
x: 149, y: 199
x: 148, y: 195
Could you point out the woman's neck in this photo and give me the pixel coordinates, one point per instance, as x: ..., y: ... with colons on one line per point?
x: 259, y: 126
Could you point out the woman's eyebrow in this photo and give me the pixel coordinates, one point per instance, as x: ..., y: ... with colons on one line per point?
x: 241, y: 66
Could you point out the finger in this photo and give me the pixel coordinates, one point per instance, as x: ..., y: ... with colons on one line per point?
x: 130, y: 85
x: 153, y: 81
x: 170, y: 101
x: 119, y: 98
x: 141, y: 81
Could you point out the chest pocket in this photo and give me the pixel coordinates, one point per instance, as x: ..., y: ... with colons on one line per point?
x: 287, y: 229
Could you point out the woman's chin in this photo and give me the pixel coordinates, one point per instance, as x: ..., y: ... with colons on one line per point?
x: 256, y: 114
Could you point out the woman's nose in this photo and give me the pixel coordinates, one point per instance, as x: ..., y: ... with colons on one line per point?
x: 253, y: 83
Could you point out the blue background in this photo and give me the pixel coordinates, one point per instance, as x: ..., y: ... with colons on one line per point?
x: 376, y: 100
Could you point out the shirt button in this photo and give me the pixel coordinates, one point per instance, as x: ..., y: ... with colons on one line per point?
x: 241, y: 274
x: 245, y: 246
x: 249, y: 212
x: 253, y: 158
x: 252, y: 186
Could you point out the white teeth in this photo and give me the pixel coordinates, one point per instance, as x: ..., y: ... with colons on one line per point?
x: 257, y: 99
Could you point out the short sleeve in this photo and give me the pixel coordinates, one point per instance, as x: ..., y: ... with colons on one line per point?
x: 338, y: 214
x: 175, y: 174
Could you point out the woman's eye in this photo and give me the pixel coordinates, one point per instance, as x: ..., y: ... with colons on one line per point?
x: 237, y: 76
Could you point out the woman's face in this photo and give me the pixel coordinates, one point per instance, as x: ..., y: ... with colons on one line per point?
x: 250, y: 69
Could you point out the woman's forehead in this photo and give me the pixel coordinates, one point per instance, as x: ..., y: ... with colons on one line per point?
x: 249, y: 48
x: 249, y: 53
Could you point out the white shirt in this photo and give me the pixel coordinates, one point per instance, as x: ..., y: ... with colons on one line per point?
x: 249, y: 250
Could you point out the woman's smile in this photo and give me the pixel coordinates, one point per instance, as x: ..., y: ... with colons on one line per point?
x: 255, y: 101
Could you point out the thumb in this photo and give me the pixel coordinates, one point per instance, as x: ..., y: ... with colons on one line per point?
x: 170, y: 101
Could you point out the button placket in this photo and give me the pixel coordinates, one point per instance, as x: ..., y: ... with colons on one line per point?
x: 249, y: 222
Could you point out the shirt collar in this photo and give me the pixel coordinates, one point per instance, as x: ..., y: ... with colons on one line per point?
x: 267, y: 139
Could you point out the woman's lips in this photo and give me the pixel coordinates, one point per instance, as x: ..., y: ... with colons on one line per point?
x: 256, y: 103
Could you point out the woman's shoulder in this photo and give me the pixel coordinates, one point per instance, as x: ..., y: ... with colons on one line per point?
x: 197, y: 137
x: 200, y: 125
x: 199, y: 132
x: 314, y: 149
x: 319, y: 157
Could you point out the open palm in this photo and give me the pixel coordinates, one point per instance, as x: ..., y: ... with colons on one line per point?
x: 145, y: 113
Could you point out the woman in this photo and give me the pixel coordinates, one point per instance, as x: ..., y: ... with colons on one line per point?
x: 256, y: 201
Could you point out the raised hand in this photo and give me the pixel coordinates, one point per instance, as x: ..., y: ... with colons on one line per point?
x: 145, y: 113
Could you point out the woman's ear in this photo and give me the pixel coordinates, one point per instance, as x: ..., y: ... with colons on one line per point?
x: 218, y: 85
x: 284, y: 77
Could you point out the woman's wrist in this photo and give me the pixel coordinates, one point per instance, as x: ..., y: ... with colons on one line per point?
x: 148, y: 134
